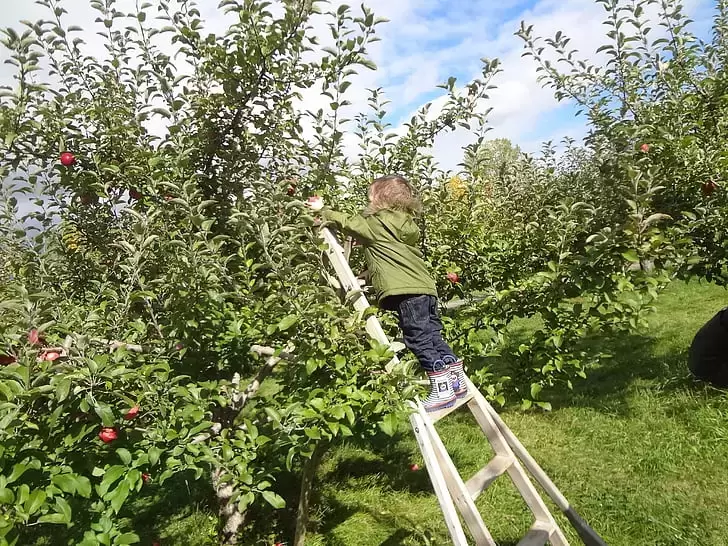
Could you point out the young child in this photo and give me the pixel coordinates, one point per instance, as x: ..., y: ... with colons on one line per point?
x: 389, y: 235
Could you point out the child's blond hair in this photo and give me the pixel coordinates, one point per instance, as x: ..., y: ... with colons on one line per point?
x: 395, y: 193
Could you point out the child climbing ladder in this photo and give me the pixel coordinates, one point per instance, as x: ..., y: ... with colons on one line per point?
x: 389, y: 235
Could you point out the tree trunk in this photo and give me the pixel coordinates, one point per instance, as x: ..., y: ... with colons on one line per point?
x: 309, y: 473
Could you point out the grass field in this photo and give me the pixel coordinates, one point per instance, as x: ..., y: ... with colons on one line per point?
x: 639, y: 448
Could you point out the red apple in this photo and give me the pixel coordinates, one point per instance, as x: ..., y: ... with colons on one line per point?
x: 453, y: 277
x: 146, y: 478
x: 645, y: 148
x: 67, y: 159
x: 6, y: 360
x: 51, y: 356
x: 34, y: 338
x: 708, y: 188
x: 134, y: 194
x: 414, y: 467
x: 131, y: 413
x: 291, y: 190
x: 168, y: 197
x: 108, y: 434
x: 179, y: 346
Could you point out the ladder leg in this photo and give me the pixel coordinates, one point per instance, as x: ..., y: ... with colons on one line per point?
x: 588, y: 535
x: 516, y: 472
x: 457, y: 487
x: 438, y: 481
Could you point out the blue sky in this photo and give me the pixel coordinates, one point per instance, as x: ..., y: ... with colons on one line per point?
x: 426, y: 41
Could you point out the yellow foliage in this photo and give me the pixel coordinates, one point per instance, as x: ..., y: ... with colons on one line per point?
x: 456, y: 187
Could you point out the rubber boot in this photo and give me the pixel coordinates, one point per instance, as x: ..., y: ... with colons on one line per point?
x: 441, y: 395
x: 459, y: 386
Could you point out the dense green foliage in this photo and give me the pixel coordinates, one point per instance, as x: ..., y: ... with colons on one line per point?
x: 175, y: 240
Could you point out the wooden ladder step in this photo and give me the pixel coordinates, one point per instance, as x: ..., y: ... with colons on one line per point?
x: 538, y: 535
x: 435, y: 416
x: 487, y: 475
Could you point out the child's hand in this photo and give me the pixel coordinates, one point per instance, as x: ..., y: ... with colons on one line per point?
x: 315, y: 203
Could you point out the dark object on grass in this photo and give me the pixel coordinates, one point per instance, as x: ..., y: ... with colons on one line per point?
x: 709, y: 351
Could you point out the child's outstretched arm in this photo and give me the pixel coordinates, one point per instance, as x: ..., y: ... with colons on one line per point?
x: 355, y: 225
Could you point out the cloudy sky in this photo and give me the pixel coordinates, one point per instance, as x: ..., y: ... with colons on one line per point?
x: 426, y: 41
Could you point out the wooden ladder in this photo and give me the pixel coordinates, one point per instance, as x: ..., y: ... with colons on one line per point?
x: 453, y: 493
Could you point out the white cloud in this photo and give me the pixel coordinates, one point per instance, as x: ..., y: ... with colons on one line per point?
x: 428, y: 40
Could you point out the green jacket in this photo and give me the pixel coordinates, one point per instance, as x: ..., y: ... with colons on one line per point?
x: 390, y: 240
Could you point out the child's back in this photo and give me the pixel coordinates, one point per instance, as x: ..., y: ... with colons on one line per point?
x: 390, y: 239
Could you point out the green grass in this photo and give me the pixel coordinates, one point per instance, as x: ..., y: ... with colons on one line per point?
x: 639, y: 448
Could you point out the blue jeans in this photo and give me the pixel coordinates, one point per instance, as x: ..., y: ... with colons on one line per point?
x: 421, y: 328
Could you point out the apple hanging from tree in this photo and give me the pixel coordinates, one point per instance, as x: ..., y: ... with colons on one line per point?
x: 146, y: 478
x: 134, y: 194
x: 108, y: 434
x: 645, y: 148
x: 50, y: 356
x: 414, y: 467
x: 34, y: 338
x: 453, y: 277
x: 708, y: 188
x: 67, y: 159
x: 6, y: 360
x: 133, y: 412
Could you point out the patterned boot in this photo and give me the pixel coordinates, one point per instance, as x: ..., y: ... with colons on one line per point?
x: 459, y: 386
x: 441, y: 394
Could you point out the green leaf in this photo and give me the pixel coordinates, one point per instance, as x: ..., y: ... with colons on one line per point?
x: 35, y: 501
x: 83, y: 486
x: 313, y: 432
x: 535, y: 390
x: 62, y: 389
x: 631, y: 256
x: 111, y: 475
x: 66, y: 482
x: 53, y: 518
x: 127, y: 538
x: 18, y: 470
x: 6, y: 496
x: 64, y: 508
x: 389, y: 424
x: 287, y: 322
x: 273, y: 414
x: 124, y: 455
x: 154, y: 454
x: 105, y: 413
x: 119, y: 495
x: 274, y: 499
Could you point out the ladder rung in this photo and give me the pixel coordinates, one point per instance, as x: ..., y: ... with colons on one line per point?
x: 435, y: 416
x: 487, y: 475
x: 538, y: 534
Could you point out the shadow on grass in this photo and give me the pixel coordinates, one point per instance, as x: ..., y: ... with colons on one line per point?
x: 633, y: 359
